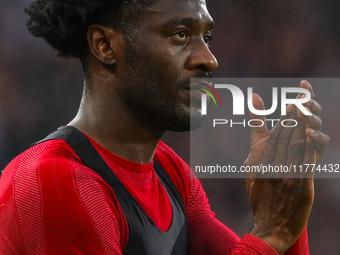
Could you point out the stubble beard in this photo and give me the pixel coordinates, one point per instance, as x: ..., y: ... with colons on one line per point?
x: 143, y: 91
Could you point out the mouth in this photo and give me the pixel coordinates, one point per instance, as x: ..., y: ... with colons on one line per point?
x: 198, y: 84
x: 195, y: 88
x: 200, y: 88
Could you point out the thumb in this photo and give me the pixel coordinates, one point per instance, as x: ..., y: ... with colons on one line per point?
x: 258, y: 121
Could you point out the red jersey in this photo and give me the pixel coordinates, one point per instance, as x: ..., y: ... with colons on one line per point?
x: 50, y: 203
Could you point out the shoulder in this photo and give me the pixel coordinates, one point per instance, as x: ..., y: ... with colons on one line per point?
x: 26, y: 175
x: 48, y: 180
x: 46, y: 155
x: 49, y: 165
x: 42, y: 154
x: 47, y: 171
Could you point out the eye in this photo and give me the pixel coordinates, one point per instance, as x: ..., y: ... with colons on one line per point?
x: 207, y: 38
x: 181, y: 35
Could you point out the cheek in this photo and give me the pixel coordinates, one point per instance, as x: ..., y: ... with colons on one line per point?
x: 169, y: 59
x: 162, y: 70
x: 168, y: 75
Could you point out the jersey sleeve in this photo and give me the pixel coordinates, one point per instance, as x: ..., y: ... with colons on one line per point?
x: 57, y: 206
x: 207, y: 235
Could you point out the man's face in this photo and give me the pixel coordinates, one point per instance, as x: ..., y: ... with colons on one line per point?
x: 168, y: 47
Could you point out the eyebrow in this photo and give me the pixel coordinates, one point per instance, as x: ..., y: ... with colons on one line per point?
x: 186, y: 21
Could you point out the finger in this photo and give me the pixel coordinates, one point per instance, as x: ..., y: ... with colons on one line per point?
x: 296, y: 147
x: 305, y: 84
x: 275, y: 134
x: 258, y: 105
x: 314, y: 107
x: 307, y: 170
x: 283, y: 142
x: 313, y: 121
x: 321, y: 140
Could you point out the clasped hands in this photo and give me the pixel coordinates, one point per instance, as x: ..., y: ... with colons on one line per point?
x: 281, y: 202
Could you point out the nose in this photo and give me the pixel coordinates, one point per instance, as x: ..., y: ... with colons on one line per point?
x: 201, y: 58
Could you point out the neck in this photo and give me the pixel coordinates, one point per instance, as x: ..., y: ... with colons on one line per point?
x: 111, y: 124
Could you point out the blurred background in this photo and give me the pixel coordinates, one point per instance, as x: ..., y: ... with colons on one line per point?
x: 40, y: 92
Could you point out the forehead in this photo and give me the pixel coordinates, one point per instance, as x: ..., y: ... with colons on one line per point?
x: 169, y: 9
x: 179, y: 5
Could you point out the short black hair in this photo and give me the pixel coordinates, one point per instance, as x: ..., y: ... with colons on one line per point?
x: 64, y: 23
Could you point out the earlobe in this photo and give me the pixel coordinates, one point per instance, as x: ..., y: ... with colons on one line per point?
x: 100, y: 40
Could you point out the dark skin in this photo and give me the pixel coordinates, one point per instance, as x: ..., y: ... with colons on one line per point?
x: 136, y: 89
x: 103, y: 113
x: 281, y: 206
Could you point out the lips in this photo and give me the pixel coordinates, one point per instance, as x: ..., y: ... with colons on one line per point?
x: 196, y: 93
x: 199, y: 84
x: 194, y: 88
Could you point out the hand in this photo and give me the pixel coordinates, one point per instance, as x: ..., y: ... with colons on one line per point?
x: 261, y: 136
x: 281, y: 206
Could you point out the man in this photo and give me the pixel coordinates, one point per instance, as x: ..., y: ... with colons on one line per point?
x: 138, y: 58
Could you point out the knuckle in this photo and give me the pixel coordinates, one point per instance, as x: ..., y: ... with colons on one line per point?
x: 274, y: 135
x: 294, y: 114
x: 284, y: 137
x: 317, y: 118
x: 317, y: 105
x: 299, y: 119
x: 300, y: 125
x: 327, y: 138
x: 315, y: 121
x: 295, y: 147
x: 322, y: 139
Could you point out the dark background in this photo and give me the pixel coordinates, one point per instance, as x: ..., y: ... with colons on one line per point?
x: 39, y: 92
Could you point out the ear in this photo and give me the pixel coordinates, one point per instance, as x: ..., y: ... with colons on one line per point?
x: 102, y: 43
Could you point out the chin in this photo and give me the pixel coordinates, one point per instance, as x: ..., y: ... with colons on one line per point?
x: 196, y: 121
x: 187, y: 122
